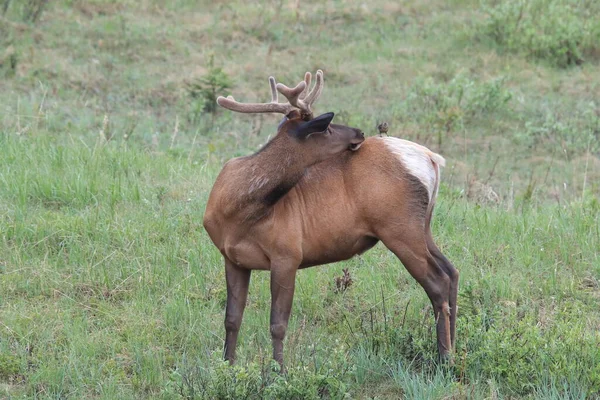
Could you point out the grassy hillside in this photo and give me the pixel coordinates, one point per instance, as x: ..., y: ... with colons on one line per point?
x: 110, y: 288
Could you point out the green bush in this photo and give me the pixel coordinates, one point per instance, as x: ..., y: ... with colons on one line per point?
x: 571, y: 133
x: 522, y: 355
x: 8, y: 62
x: 450, y: 105
x: 27, y: 10
x: 321, y: 379
x: 562, y: 32
x: 10, y: 366
x: 205, y: 90
x: 520, y: 346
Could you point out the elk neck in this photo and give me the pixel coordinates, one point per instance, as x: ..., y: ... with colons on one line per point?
x: 268, y: 175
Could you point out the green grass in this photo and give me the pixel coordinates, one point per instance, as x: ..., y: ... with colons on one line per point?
x: 110, y: 288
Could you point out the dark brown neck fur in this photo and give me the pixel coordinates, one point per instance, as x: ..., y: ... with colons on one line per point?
x: 257, y: 182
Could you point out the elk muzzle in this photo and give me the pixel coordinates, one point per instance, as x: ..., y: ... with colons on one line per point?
x: 357, y: 141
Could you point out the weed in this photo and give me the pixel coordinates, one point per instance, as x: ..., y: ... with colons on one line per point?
x: 9, y: 62
x: 5, y: 5
x: 342, y: 283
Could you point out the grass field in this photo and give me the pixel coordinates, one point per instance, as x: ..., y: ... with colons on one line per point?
x: 110, y: 288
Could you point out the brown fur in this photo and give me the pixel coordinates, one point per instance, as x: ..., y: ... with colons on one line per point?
x: 320, y: 203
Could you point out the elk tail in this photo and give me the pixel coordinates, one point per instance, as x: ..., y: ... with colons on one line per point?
x: 437, y: 161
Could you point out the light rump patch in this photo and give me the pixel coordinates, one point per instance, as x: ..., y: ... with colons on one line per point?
x: 418, y: 160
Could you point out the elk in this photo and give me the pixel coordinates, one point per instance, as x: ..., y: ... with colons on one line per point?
x: 318, y: 193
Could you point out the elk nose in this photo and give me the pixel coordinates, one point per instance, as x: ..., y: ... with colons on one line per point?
x: 358, y: 139
x: 360, y: 135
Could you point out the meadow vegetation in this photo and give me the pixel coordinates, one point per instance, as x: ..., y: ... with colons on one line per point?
x: 110, y: 142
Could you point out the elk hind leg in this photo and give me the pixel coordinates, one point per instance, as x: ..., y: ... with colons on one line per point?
x: 423, y: 266
x: 452, y: 272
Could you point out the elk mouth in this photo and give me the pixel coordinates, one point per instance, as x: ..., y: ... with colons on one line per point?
x: 354, y: 146
x: 357, y: 140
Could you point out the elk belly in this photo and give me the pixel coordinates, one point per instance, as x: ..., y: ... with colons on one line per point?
x: 336, y: 248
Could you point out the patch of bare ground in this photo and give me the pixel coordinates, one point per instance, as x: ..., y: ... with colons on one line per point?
x: 482, y: 193
x: 85, y: 291
x: 591, y: 284
x: 92, y: 9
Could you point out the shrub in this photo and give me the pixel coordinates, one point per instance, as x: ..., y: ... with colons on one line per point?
x: 562, y: 32
x: 10, y: 366
x: 28, y: 10
x: 322, y: 379
x: 204, y: 90
x: 9, y: 62
x: 522, y: 355
x: 524, y: 347
x: 571, y: 133
x: 449, y: 105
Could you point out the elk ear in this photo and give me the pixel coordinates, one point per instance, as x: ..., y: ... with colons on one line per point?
x: 316, y: 125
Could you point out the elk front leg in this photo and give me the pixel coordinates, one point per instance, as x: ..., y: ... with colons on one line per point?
x: 238, y: 280
x: 283, y: 280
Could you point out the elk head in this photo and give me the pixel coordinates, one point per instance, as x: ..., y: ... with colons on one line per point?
x: 315, y: 139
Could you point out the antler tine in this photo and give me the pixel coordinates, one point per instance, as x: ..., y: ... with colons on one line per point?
x: 293, y: 94
x: 299, y: 98
x: 274, y: 94
x: 315, y: 93
x: 307, y: 79
x: 273, y: 107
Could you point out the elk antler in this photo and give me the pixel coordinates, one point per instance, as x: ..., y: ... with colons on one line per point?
x: 306, y: 99
x: 298, y: 98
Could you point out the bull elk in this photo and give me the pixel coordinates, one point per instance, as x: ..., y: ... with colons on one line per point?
x: 318, y: 193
